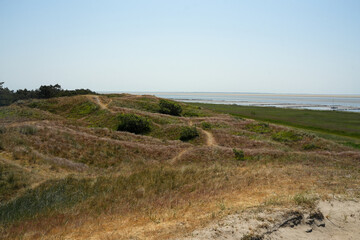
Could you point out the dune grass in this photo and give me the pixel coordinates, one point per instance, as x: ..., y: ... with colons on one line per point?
x: 145, y: 185
x: 342, y: 127
x: 341, y: 123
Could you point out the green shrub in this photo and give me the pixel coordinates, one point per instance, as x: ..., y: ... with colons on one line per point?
x: 286, y: 136
x: 169, y: 107
x: 239, y: 154
x: 190, y: 114
x: 205, y: 125
x: 133, y: 123
x: 258, y: 127
x: 310, y: 146
x: 188, y: 133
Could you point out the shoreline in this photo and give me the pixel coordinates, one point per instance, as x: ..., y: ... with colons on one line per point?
x: 317, y: 107
x: 237, y: 94
x: 322, y: 102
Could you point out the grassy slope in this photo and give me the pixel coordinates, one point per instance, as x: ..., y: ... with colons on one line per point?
x: 329, y: 123
x: 65, y: 169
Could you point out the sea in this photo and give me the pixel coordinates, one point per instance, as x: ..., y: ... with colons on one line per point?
x: 349, y: 103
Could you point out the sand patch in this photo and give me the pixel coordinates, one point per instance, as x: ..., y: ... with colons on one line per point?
x: 329, y: 220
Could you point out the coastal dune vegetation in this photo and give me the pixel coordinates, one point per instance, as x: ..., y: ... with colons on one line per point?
x: 120, y: 166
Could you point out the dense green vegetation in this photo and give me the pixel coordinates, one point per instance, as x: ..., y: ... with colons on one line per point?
x: 205, y: 125
x: 286, y: 136
x: 259, y: 127
x: 188, y: 133
x: 8, y: 96
x: 239, y: 154
x: 133, y: 123
x: 341, y: 123
x: 169, y: 107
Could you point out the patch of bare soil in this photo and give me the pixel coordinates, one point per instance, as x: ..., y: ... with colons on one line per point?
x: 329, y: 220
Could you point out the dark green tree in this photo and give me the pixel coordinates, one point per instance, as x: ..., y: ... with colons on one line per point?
x: 6, y: 95
x: 49, y: 91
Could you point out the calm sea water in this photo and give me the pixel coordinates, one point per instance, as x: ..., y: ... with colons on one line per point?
x: 300, y: 101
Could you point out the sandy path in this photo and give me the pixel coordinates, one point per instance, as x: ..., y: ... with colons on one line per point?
x: 174, y: 159
x: 95, y: 99
x: 210, y: 140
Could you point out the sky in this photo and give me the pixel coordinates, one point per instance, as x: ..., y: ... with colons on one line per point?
x: 257, y: 46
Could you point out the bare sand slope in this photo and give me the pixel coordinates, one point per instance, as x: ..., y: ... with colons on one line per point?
x: 341, y: 221
x: 330, y: 220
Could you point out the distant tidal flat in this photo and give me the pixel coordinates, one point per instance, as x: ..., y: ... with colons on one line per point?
x: 297, y: 101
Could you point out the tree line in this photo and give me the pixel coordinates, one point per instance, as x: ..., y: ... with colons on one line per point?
x: 8, y: 96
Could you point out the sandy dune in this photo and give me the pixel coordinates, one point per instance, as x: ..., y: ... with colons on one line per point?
x: 329, y: 220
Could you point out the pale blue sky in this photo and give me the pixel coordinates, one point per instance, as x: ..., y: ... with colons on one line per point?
x: 303, y: 46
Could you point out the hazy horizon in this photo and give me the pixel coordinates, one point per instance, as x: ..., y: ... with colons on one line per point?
x: 235, y: 93
x: 279, y: 47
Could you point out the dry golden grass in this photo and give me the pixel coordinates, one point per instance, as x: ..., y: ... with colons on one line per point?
x: 154, y: 186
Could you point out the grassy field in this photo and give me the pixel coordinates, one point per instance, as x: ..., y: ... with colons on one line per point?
x: 331, y: 122
x: 66, y: 172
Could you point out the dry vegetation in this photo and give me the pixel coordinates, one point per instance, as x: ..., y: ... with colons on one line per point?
x: 65, y: 172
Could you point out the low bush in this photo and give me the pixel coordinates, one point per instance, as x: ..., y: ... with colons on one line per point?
x: 205, y: 125
x: 259, y: 127
x: 169, y: 107
x: 239, y: 154
x: 133, y: 123
x: 188, y: 133
x: 286, y: 136
x: 310, y: 146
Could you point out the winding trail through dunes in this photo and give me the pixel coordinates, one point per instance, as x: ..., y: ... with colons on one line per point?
x: 210, y: 140
x: 95, y: 99
x: 179, y: 155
